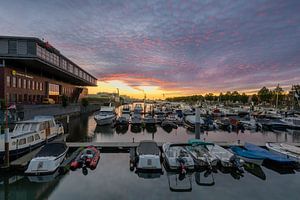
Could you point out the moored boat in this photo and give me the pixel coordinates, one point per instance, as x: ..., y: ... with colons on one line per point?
x: 200, y: 153
x: 88, y: 157
x: 226, y: 158
x: 177, y: 157
x: 106, y: 115
x: 148, y: 157
x: 287, y: 150
x: 30, y: 134
x: 48, y: 158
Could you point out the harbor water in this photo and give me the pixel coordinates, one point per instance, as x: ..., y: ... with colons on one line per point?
x: 112, y: 179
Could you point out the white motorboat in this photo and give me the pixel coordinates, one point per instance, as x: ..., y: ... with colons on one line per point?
x: 190, y: 120
x: 148, y: 156
x: 293, y: 122
x: 149, y: 120
x: 138, y: 109
x: 30, y: 134
x: 290, y: 151
x: 48, y: 158
x: 226, y: 158
x: 136, y: 119
x: 106, y: 115
x: 177, y: 157
x: 200, y: 153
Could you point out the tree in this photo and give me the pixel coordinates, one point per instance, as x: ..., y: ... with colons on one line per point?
x: 244, y: 98
x: 254, y: 99
x: 209, y: 97
x: 84, y: 102
x: 235, y: 96
x: 264, y: 94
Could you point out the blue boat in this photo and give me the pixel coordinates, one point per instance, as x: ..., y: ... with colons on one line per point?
x: 269, y: 156
x: 247, y: 155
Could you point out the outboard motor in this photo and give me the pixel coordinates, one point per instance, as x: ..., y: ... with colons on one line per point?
x: 237, y: 164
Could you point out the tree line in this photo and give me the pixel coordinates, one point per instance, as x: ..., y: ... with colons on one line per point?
x: 264, y: 95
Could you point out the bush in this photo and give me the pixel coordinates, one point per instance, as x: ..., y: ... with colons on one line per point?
x: 84, y: 102
x: 64, y: 101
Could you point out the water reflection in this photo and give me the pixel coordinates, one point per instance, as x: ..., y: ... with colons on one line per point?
x: 84, y: 128
x: 255, y: 170
x: 179, y: 182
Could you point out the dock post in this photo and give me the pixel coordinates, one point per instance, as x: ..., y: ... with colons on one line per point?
x: 197, y: 124
x: 6, y: 161
x: 68, y: 121
x: 132, y: 140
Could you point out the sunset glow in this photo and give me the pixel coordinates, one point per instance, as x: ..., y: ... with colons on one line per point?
x: 170, y: 48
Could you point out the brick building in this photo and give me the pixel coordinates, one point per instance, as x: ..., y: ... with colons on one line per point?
x: 31, y: 70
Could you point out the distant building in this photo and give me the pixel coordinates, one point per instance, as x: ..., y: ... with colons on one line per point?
x: 31, y: 69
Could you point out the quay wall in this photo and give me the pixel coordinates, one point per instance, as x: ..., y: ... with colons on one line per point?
x: 29, y: 111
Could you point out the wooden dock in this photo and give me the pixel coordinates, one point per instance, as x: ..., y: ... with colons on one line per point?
x: 23, y: 161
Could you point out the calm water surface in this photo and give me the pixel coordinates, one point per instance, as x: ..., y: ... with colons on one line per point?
x: 112, y: 179
x: 84, y: 128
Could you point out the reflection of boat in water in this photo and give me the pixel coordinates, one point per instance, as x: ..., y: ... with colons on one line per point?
x: 135, y: 128
x: 204, y: 180
x: 179, y: 182
x: 106, y: 129
x: 255, y: 170
x: 43, y: 178
x: 151, y: 129
x: 122, y: 129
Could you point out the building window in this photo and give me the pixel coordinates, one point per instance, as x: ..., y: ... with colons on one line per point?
x: 14, y: 82
x: 19, y: 83
x: 24, y: 83
x: 8, y: 81
x: 53, y: 89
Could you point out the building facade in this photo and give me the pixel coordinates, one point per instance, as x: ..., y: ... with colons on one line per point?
x: 32, y: 70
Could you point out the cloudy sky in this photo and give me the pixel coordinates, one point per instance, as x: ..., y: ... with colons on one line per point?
x: 171, y: 47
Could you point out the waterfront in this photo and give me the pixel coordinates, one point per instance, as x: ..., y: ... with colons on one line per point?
x: 85, y: 129
x: 113, y: 180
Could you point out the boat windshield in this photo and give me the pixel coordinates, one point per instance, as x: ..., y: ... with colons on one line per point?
x: 148, y: 148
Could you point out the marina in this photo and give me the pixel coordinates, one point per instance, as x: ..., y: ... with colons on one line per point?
x: 149, y: 99
x: 192, y: 177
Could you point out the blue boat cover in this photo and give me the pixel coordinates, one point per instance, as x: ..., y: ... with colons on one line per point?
x: 267, y: 154
x: 245, y: 153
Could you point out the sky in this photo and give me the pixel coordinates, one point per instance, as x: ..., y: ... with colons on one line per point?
x: 168, y: 48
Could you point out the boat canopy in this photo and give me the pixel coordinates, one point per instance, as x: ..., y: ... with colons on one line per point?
x: 52, y: 149
x: 147, y: 147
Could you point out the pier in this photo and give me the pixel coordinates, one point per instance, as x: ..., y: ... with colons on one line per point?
x: 106, y: 147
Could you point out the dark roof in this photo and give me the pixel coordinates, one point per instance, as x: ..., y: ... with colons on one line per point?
x: 52, y: 149
x: 147, y: 147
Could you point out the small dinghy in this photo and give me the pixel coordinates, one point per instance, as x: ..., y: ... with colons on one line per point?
x: 177, y: 157
x: 148, y: 157
x: 88, y: 157
x: 287, y: 150
x: 200, y: 153
x: 226, y: 158
x: 48, y: 159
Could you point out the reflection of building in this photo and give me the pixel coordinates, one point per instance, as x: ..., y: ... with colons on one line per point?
x: 31, y: 69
